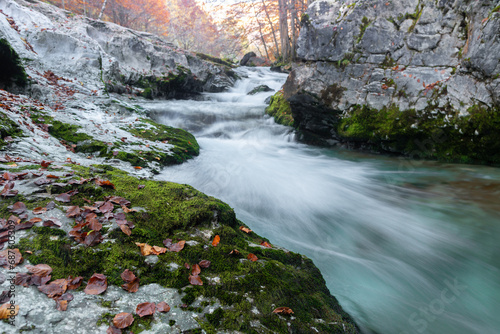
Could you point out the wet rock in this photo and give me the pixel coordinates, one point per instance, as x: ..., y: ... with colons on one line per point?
x: 260, y: 89
x: 246, y: 58
x: 432, y: 57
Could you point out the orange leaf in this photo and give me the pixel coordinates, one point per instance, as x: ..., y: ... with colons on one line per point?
x: 39, y: 210
x: 138, y: 167
x: 105, y: 183
x: 245, y: 229
x: 50, y: 176
x: 252, y: 257
x: 283, y: 310
x: 157, y: 250
x: 125, y: 229
x: 145, y: 248
x: 123, y: 320
x: 5, y: 310
x: 196, y: 270
x: 127, y: 210
x: 132, y: 286
x: 177, y: 247
x: 35, y: 220
x: 265, y: 244
x: 216, y: 241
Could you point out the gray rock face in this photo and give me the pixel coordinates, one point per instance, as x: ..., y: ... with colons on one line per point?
x: 246, y: 58
x: 405, y: 54
x: 104, y: 55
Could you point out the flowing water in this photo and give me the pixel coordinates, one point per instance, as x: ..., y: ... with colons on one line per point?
x: 406, y: 246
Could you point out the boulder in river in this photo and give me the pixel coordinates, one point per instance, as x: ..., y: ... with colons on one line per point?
x: 260, y: 89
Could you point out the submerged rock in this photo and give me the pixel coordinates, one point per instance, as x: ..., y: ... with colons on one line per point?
x: 434, y: 66
x: 260, y: 89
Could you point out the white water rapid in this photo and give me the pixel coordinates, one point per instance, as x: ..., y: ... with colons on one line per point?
x: 406, y: 246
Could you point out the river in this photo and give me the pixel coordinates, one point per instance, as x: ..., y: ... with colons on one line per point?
x: 406, y: 246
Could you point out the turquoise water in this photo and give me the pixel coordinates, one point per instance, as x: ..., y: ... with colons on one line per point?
x: 406, y: 246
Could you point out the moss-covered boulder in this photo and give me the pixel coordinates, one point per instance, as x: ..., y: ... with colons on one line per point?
x: 246, y: 291
x: 279, y: 108
x: 8, y: 128
x: 435, y: 133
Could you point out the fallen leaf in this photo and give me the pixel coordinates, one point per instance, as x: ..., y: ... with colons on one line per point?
x: 158, y: 250
x: 162, y: 307
x: 65, y: 198
x: 61, y: 305
x: 204, y: 263
x: 18, y: 208
x: 195, y: 280
x: 39, y: 210
x: 234, y: 252
x: 113, y: 330
x: 125, y: 229
x: 23, y: 279
x: 52, y: 222
x: 55, y: 288
x: 144, y: 309
x: 40, y: 269
x: 283, y: 310
x: 73, y: 211
x: 105, y: 183
x: 216, y: 241
x: 123, y: 320
x: 177, y: 247
x: 106, y: 207
x: 132, y: 286
x: 252, y: 257
x: 97, y: 284
x: 195, y: 270
x: 245, y: 229
x: 74, y: 283
x: 94, y: 225
x: 266, y: 244
x: 145, y: 248
x: 13, y: 262
x: 127, y: 275
x: 50, y: 176
x: 138, y: 167
x: 6, y: 310
x: 93, y: 238
x: 127, y: 210
x: 39, y: 280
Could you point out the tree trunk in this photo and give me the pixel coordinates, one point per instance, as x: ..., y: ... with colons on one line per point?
x: 283, y: 17
x: 272, y: 30
x: 102, y: 9
x: 294, y: 30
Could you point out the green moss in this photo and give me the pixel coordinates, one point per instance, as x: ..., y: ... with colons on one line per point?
x: 304, y: 18
x: 415, y: 16
x: 8, y: 128
x: 215, y: 60
x: 12, y: 71
x: 468, y: 139
x: 184, y: 144
x: 365, y: 22
x: 280, y: 109
x: 179, y: 211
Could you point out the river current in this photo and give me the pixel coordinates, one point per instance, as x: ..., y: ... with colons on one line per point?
x: 406, y: 246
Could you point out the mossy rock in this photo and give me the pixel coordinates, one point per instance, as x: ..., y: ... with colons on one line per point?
x: 280, y: 109
x: 435, y: 133
x: 8, y: 128
x: 260, y: 89
x: 12, y: 73
x: 180, y: 212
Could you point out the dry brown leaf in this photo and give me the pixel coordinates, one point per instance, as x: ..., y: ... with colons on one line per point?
x: 204, y: 263
x: 11, y: 262
x: 39, y: 210
x: 105, y: 184
x: 162, y: 307
x: 283, y: 310
x: 61, y: 305
x: 18, y: 208
x: 127, y: 276
x: 144, y: 309
x: 195, y: 280
x: 177, y: 247
x: 73, y: 211
x: 266, y: 244
x: 113, y: 330
x: 6, y: 310
x: 125, y: 229
x: 132, y: 286
x: 216, y: 240
x: 123, y: 320
x: 145, y: 248
x: 74, y: 283
x: 195, y: 270
x: 35, y: 220
x: 40, y: 269
x: 127, y: 210
x: 55, y: 288
x: 157, y: 250
x: 97, y: 284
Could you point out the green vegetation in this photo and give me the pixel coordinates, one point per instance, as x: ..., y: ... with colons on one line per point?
x: 444, y: 135
x: 280, y: 109
x: 364, y: 24
x: 180, y: 212
x: 415, y: 16
x: 8, y: 128
x: 12, y: 71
